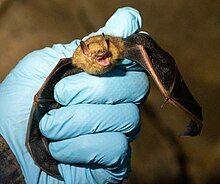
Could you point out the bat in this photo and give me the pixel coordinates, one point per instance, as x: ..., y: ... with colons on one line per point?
x: 98, y: 55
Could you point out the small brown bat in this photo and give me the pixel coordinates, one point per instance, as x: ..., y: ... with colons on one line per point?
x: 96, y: 56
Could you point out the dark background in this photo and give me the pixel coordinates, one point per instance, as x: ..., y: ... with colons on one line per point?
x: 189, y: 30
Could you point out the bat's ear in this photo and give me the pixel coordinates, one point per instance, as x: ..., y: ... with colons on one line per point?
x: 84, y: 48
x: 105, y: 41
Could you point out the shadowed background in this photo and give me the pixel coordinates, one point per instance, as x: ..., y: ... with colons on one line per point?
x: 189, y: 30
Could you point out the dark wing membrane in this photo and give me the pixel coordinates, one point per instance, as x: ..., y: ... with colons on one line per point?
x: 44, y: 101
x: 162, y: 67
x: 162, y: 62
x: 62, y: 69
x: 37, y: 146
x: 182, y: 95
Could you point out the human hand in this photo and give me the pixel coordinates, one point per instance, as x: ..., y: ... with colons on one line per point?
x: 92, y: 132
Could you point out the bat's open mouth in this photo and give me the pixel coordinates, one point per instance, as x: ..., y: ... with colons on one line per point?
x: 103, y: 59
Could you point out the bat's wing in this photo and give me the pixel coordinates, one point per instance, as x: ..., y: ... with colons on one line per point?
x: 44, y: 101
x: 162, y: 67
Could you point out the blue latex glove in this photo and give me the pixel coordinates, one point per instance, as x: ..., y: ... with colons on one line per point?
x: 98, y: 121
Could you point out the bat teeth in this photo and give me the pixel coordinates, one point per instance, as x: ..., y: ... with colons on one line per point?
x: 193, y: 129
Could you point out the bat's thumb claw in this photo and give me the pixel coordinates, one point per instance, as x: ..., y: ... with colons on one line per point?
x: 193, y: 129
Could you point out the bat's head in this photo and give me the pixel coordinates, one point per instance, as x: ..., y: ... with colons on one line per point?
x: 98, y: 54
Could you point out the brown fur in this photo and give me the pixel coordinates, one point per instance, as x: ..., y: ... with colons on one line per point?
x: 96, y: 44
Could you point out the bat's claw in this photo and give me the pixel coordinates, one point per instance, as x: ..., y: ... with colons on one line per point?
x: 193, y: 129
x: 165, y: 101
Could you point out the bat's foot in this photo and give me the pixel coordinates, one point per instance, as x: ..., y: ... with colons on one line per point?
x: 193, y: 129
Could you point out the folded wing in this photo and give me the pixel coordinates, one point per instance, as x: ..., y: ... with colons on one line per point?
x: 163, y: 70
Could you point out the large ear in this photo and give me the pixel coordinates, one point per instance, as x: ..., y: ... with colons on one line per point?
x: 84, y: 48
x: 105, y: 41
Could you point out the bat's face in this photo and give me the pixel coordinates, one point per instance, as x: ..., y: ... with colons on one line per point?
x: 98, y: 54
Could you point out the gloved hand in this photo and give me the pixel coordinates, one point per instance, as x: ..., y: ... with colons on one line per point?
x: 98, y: 121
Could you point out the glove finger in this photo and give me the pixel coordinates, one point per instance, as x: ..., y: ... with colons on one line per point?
x: 114, y: 87
x: 104, y: 149
x: 75, y: 120
x: 94, y: 174
x: 129, y: 20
